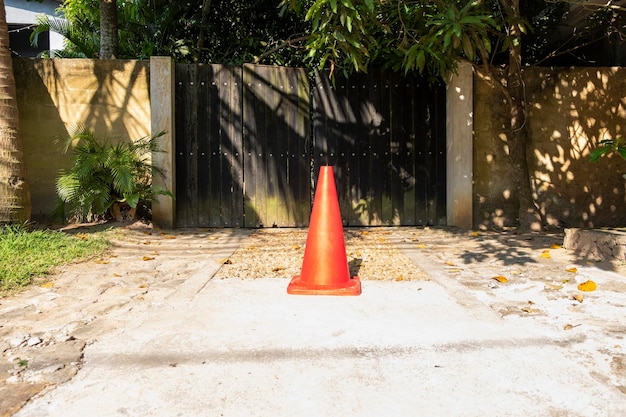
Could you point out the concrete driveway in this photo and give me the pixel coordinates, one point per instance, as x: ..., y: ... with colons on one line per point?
x: 243, y: 347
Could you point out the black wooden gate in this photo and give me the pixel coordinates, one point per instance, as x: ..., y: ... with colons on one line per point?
x: 385, y: 135
x: 243, y: 143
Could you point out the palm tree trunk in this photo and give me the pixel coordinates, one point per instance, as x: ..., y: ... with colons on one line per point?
x: 14, y: 191
x: 108, y: 29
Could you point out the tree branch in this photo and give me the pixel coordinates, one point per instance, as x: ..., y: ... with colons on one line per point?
x: 288, y: 42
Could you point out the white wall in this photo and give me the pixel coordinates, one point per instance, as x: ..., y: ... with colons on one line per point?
x: 25, y: 13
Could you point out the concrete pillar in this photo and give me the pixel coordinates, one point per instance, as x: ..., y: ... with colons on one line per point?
x: 162, y: 76
x: 459, y: 147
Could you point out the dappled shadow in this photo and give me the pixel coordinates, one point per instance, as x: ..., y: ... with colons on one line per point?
x: 386, y: 142
x: 108, y: 97
x: 385, y: 135
x: 570, y: 110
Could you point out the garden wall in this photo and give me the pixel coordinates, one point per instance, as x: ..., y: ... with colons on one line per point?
x: 570, y: 111
x: 111, y: 98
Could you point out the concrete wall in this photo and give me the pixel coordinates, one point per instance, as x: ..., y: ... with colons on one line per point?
x: 111, y: 98
x: 570, y: 110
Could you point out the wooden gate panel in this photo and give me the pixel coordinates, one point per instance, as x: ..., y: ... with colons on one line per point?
x: 383, y: 134
x: 209, y: 146
x: 276, y: 142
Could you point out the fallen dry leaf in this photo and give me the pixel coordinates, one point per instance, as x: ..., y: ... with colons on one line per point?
x: 500, y: 278
x: 100, y: 261
x: 578, y: 298
x: 147, y: 258
x: 587, y: 286
x: 49, y: 284
x: 143, y: 285
x: 227, y: 262
x: 296, y: 247
x: 169, y: 237
x: 474, y: 234
x: 555, y: 246
x: 278, y: 268
x: 572, y: 270
x: 545, y: 254
x: 399, y: 278
x: 530, y: 310
x: 115, y: 274
x: 449, y: 263
x: 421, y: 246
x: 147, y: 242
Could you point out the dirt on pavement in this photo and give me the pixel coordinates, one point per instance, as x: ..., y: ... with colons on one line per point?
x: 44, y: 329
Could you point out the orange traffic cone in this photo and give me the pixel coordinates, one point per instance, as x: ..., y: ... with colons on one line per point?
x: 325, y: 266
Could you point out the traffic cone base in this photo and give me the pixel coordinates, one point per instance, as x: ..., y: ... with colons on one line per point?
x: 299, y: 287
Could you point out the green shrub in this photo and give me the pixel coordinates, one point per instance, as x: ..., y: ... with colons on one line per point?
x: 103, y: 174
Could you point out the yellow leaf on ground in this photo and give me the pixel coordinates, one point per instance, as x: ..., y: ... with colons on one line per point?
x: 587, y: 286
x: 578, y: 298
x: 399, y: 278
x: 555, y: 246
x: 47, y: 285
x: 365, y: 232
x: 115, y: 274
x: 545, y: 254
x: 500, y: 278
x: 100, y: 261
x: 169, y: 237
x: 474, y: 234
x: 147, y: 258
x: 147, y: 242
x: 296, y: 247
x: 572, y: 270
x: 143, y: 286
x: 421, y: 246
x: 449, y: 263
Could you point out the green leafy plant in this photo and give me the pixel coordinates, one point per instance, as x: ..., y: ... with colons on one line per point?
x: 617, y: 145
x: 104, y: 175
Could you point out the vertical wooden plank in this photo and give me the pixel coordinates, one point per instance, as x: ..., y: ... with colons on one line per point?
x: 182, y: 200
x: 204, y: 179
x: 213, y: 153
x: 231, y: 142
x: 398, y: 151
x: 383, y: 149
x: 300, y: 150
x: 251, y: 150
x: 187, y: 146
x: 422, y: 143
x: 439, y: 134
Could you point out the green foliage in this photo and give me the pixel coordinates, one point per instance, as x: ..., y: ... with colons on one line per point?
x: 38, y: 252
x: 608, y: 146
x: 228, y: 31
x: 103, y: 173
x: 427, y: 36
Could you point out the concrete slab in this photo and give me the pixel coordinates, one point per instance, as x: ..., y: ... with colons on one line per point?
x: 246, y: 348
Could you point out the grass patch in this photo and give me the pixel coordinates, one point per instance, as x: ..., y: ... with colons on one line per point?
x: 26, y: 254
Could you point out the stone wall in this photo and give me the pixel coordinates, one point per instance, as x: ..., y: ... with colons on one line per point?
x: 570, y: 111
x: 111, y: 98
